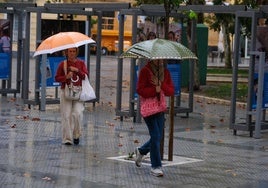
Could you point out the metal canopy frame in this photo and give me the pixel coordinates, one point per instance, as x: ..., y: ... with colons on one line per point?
x: 12, y: 9
x: 131, y: 111
x: 88, y: 10
x: 231, y: 9
x: 159, y: 10
x: 95, y: 6
x: 260, y: 122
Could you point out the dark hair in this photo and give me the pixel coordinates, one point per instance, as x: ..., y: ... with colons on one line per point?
x: 151, y: 34
x: 171, y: 32
x: 5, y: 32
x: 65, y: 52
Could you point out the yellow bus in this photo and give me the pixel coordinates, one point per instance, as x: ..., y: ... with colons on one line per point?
x: 109, y: 40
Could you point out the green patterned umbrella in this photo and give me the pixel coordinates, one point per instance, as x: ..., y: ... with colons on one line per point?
x: 158, y: 49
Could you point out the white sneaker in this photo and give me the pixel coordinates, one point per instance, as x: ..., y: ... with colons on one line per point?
x: 157, y: 172
x: 139, y: 157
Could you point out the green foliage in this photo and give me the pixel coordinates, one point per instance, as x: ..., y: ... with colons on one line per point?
x: 192, y: 15
x: 139, y: 2
x: 94, y: 21
x: 226, y: 71
x: 223, y: 91
x: 215, y: 21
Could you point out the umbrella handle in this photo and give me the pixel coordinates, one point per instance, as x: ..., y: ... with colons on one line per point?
x: 76, y: 80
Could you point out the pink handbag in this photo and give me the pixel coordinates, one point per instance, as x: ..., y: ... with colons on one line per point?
x: 152, y: 105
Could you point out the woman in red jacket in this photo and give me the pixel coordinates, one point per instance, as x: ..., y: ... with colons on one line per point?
x: 71, y: 110
x: 153, y: 78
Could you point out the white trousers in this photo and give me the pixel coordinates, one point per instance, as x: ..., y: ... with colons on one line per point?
x: 71, y: 118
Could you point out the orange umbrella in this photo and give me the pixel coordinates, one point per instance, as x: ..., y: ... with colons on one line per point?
x: 62, y: 41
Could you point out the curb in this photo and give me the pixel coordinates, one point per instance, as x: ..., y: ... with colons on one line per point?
x: 214, y: 100
x: 225, y: 78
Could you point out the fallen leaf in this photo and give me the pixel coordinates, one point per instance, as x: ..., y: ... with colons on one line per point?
x: 187, y: 129
x: 109, y: 123
x: 265, y: 148
x: 12, y: 99
x: 136, y: 141
x: 19, y: 117
x: 46, y: 178
x: 120, y: 145
x: 27, y: 175
x: 36, y: 119
x: 231, y: 171
x: 13, y: 126
x: 117, y: 118
x: 25, y: 117
x: 199, y: 101
x: 26, y: 109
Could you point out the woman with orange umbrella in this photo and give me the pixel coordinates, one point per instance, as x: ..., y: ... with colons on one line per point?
x: 71, y: 110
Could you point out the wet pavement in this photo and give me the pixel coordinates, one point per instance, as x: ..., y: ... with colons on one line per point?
x: 206, y: 154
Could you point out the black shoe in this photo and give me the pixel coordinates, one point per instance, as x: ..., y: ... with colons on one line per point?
x: 68, y: 143
x: 76, y: 141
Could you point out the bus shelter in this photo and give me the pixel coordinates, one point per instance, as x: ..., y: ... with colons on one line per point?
x: 87, y: 10
x: 133, y: 108
x: 257, y: 100
x: 158, y: 11
x: 8, y: 67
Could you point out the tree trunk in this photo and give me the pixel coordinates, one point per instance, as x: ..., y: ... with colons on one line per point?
x: 227, y: 48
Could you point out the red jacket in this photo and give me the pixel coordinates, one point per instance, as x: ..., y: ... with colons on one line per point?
x: 61, y: 76
x: 146, y: 89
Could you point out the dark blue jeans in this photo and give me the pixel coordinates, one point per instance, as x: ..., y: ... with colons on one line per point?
x: 155, y: 124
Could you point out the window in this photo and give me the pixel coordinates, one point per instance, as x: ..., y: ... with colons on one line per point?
x: 15, y: 27
x: 108, y: 20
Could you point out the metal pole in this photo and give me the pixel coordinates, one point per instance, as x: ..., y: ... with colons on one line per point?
x: 98, y: 56
x: 25, y: 66
x: 19, y: 52
x: 259, y: 94
x: 87, y: 26
x: 251, y: 70
x: 132, y: 88
x: 38, y: 59
x: 119, y: 69
x: 171, y: 129
x: 191, y: 64
x: 234, y: 74
x: 43, y: 82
